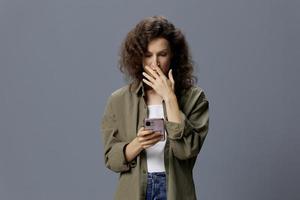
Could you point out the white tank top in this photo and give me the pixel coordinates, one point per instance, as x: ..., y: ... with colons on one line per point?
x: 155, y: 153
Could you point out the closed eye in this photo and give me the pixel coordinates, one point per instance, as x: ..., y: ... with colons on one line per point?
x: 162, y: 54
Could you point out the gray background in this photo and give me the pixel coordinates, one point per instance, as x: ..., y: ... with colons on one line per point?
x: 59, y: 64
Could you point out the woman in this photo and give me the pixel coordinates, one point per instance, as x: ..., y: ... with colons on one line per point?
x: 155, y: 58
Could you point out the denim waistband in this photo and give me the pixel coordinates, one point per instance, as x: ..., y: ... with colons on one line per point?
x: 155, y: 174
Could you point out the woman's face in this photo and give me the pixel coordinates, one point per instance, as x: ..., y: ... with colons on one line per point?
x: 159, y: 54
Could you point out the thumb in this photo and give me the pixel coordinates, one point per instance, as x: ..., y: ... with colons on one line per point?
x: 171, y: 76
x: 139, y: 131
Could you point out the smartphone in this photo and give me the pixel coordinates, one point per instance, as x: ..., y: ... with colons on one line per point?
x: 155, y: 124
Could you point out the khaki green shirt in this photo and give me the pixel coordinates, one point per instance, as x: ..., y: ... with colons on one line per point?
x: 123, y: 117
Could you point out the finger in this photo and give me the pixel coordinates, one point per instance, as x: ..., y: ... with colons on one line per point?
x: 152, y: 141
x: 160, y: 72
x: 140, y: 130
x: 144, y: 131
x: 148, y: 138
x: 153, y: 135
x: 148, y: 83
x: 171, y: 79
x: 152, y: 72
x: 171, y: 76
x: 147, y: 132
x: 144, y: 136
x: 150, y: 78
x: 146, y: 147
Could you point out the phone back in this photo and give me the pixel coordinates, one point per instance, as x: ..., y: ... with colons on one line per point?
x: 155, y: 124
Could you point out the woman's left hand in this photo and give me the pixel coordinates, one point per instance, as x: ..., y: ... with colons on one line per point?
x: 159, y: 82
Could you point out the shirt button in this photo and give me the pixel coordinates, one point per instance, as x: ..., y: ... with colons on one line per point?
x: 144, y: 171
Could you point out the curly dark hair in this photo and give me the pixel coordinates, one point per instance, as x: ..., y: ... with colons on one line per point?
x: 136, y: 43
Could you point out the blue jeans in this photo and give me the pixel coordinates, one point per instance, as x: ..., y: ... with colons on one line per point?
x: 156, y: 186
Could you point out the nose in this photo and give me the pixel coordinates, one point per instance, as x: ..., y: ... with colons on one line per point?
x: 155, y: 61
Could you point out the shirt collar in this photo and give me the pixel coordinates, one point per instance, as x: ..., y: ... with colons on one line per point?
x: 138, y: 87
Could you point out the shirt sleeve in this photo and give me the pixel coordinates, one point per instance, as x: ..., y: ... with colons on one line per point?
x: 186, y: 138
x: 114, y: 147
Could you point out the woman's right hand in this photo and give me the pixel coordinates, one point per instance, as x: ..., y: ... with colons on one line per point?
x: 147, y: 138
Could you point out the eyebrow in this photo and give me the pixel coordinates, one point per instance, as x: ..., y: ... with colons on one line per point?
x: 159, y: 51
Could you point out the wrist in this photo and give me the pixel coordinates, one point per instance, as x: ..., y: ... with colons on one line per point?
x: 169, y: 97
